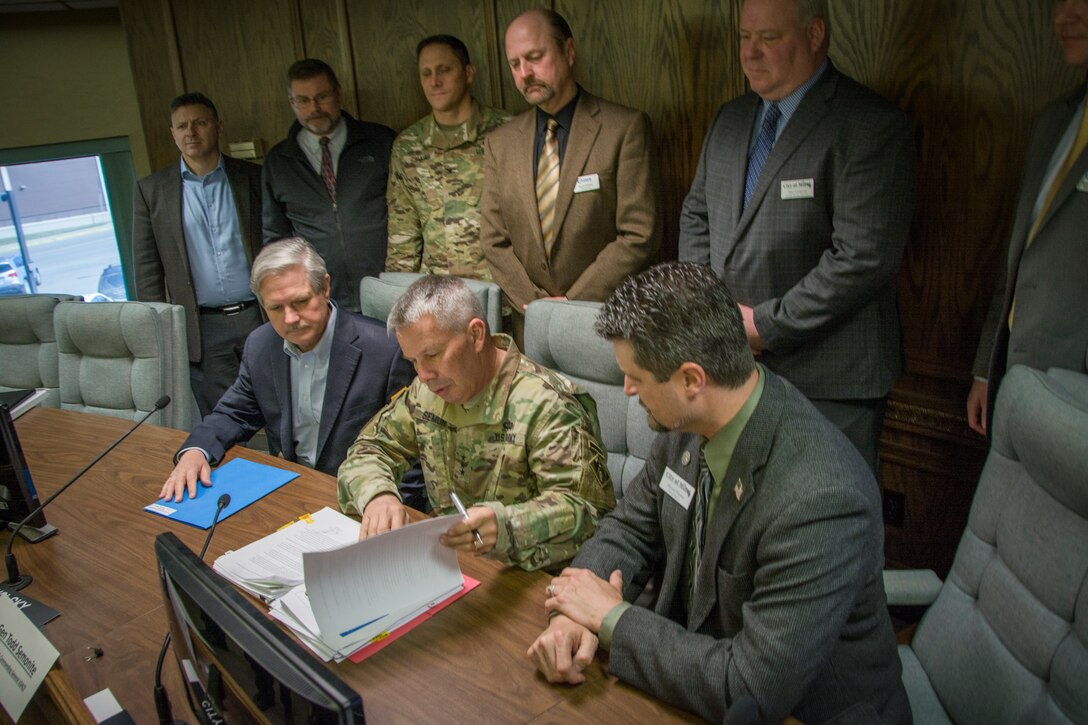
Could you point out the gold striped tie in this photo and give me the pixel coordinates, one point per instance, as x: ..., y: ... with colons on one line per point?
x: 1079, y: 144
x: 547, y: 185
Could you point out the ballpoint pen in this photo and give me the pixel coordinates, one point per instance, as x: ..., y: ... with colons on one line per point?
x: 461, y: 510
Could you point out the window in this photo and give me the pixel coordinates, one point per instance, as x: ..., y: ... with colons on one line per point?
x: 74, y: 205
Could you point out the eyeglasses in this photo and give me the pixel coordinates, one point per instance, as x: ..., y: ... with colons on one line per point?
x: 319, y: 100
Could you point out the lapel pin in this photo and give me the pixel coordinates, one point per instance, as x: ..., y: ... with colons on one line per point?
x: 738, y: 490
x: 686, y: 458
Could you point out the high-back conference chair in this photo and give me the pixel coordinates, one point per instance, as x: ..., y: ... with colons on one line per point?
x: 119, y: 358
x: 377, y: 295
x: 560, y: 336
x: 28, y: 345
x: 1006, y: 640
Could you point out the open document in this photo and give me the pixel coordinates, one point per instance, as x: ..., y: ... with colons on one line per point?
x: 339, y: 594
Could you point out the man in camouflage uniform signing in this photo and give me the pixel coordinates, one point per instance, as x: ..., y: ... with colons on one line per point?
x: 519, y: 444
x: 436, y: 170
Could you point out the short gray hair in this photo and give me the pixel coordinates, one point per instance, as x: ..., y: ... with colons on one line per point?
x: 448, y: 299
x: 284, y: 254
x: 679, y: 312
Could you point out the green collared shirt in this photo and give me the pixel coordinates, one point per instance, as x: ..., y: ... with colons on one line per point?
x: 717, y: 454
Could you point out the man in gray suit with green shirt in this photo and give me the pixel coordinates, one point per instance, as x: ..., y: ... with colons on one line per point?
x: 758, y: 519
x: 802, y: 203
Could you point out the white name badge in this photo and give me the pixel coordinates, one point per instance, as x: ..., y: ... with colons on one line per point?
x: 798, y: 189
x: 589, y: 182
x: 677, y: 488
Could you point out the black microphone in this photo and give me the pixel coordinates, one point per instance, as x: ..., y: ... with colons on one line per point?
x: 743, y: 711
x: 162, y: 699
x: 15, y: 581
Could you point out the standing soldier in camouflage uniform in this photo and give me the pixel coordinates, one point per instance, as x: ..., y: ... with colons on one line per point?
x: 436, y: 171
x: 519, y: 444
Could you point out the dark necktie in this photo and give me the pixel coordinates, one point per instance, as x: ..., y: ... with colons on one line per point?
x: 698, y: 529
x: 764, y: 144
x: 327, y: 174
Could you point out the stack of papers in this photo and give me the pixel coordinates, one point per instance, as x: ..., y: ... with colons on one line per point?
x: 339, y: 594
x: 272, y: 566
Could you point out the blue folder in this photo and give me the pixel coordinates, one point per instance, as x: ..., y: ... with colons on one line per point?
x: 244, y: 480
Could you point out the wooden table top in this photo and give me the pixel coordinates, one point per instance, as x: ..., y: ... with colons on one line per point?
x: 466, y: 664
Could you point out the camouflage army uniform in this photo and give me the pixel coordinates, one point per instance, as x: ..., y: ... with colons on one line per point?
x: 528, y: 447
x: 435, y: 182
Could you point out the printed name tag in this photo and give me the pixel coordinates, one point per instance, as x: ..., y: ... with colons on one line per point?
x: 798, y: 189
x: 589, y: 182
x: 678, y: 489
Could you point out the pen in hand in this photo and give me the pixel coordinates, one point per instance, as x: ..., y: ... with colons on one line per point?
x: 461, y: 510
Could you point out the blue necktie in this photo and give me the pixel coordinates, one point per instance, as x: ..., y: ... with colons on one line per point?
x: 764, y: 144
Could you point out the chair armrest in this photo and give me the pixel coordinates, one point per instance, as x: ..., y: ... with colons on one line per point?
x: 911, y: 587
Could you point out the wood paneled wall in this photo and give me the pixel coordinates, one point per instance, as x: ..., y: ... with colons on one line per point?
x: 972, y: 76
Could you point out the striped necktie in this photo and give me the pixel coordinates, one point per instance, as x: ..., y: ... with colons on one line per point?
x: 327, y: 174
x: 1079, y: 144
x: 764, y: 144
x: 547, y: 185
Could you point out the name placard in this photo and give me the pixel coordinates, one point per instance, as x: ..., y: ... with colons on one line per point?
x: 25, y: 657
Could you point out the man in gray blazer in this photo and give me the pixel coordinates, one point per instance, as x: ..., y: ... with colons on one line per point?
x: 1046, y: 273
x: 802, y: 202
x: 196, y: 228
x: 758, y: 518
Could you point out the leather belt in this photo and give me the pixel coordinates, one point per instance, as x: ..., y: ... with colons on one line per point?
x: 229, y: 310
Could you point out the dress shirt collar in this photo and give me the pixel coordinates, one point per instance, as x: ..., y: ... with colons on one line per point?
x: 788, y: 105
x: 310, y: 143
x: 323, y: 346
x: 189, y: 174
x: 718, y: 451
x: 564, y: 117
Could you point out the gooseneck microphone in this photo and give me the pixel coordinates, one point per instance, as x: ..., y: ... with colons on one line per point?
x: 15, y: 581
x: 162, y: 699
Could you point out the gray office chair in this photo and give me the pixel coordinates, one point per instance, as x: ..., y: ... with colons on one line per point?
x: 560, y: 336
x: 118, y: 358
x: 1006, y: 640
x: 377, y: 295
x: 28, y: 345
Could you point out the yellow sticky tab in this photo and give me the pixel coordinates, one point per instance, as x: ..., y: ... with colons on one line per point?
x: 305, y: 518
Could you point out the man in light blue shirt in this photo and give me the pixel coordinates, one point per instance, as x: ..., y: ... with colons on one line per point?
x: 312, y: 377
x: 196, y: 229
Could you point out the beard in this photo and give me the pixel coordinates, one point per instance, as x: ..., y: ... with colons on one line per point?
x: 657, y: 426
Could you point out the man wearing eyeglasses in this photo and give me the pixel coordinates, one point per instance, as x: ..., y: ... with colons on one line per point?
x: 326, y: 181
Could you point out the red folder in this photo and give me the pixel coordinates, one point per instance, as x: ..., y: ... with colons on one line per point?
x: 380, y: 642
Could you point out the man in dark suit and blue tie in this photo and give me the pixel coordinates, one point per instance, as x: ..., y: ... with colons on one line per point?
x: 312, y: 376
x: 1037, y: 315
x: 802, y: 203
x: 759, y: 519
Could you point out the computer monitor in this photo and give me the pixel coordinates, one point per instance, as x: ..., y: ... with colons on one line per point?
x: 238, y: 666
x: 17, y: 494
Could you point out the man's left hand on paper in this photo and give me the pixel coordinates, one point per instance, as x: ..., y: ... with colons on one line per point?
x: 192, y: 467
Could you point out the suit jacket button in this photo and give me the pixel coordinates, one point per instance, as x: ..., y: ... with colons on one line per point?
x: 686, y: 458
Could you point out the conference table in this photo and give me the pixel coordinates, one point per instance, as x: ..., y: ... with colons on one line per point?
x: 465, y: 664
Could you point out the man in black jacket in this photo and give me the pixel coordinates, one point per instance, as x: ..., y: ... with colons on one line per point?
x: 326, y: 181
